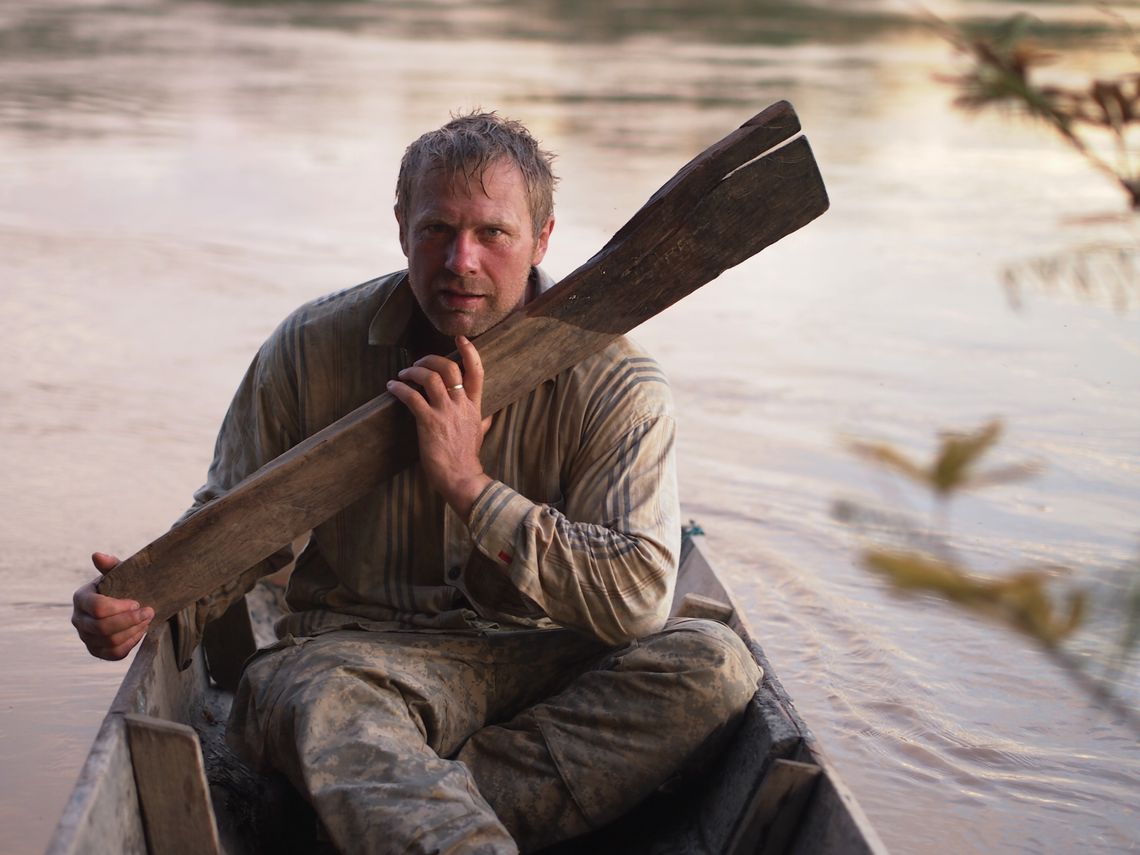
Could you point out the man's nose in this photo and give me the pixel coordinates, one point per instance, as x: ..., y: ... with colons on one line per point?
x: 463, y: 255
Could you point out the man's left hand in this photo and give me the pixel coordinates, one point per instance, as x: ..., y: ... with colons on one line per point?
x: 449, y: 422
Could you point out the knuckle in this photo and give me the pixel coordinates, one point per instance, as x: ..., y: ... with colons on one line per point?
x: 100, y: 609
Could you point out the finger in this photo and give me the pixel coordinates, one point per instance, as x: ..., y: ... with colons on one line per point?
x: 446, y: 368
x: 107, y: 641
x: 127, y: 637
x: 89, y: 624
x: 432, y: 383
x: 122, y: 651
x: 412, y: 399
x: 105, y: 608
x: 119, y: 649
x: 87, y: 600
x: 104, y: 562
x: 472, y: 368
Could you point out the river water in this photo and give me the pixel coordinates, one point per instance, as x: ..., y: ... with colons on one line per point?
x: 178, y: 176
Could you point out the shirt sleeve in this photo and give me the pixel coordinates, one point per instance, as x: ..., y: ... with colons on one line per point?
x: 605, y: 563
x: 261, y: 423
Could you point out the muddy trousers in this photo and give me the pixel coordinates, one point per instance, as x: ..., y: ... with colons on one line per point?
x: 446, y: 743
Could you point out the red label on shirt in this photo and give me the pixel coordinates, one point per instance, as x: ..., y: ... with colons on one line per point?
x: 506, y: 557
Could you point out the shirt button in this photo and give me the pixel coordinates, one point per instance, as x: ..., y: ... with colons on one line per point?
x: 453, y: 573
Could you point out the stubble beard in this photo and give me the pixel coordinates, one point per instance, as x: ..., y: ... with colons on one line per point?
x: 473, y: 323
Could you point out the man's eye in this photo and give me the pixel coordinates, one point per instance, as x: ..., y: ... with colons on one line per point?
x: 492, y: 231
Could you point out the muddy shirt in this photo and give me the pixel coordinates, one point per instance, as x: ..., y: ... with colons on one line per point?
x: 579, y: 528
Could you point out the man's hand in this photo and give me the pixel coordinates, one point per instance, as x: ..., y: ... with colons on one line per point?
x: 110, y: 628
x: 449, y: 422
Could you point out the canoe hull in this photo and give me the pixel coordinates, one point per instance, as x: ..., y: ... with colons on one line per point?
x: 772, y: 790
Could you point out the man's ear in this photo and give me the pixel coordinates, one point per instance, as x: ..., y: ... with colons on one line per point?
x: 403, y: 231
x: 542, y: 242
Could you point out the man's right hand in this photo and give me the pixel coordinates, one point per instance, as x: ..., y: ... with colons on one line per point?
x: 110, y: 628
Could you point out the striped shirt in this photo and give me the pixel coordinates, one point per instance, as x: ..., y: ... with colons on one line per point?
x: 579, y: 527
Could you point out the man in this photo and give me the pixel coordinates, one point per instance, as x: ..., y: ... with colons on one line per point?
x: 478, y: 658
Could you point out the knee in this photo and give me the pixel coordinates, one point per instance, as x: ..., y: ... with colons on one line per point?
x: 298, y: 688
x: 724, y: 675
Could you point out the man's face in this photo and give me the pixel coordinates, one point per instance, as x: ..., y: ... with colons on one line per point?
x: 470, y: 247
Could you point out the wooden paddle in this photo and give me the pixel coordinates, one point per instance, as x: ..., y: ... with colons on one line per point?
x: 724, y: 206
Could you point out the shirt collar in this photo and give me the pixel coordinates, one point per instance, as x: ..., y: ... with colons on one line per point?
x: 391, y: 320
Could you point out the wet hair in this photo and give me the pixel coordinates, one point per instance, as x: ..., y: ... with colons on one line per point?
x: 470, y: 144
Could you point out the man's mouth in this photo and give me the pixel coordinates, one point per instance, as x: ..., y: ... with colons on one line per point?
x: 459, y: 300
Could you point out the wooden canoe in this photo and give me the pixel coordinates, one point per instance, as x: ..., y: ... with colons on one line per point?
x: 159, y: 778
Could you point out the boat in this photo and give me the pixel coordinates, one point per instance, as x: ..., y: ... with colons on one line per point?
x: 160, y: 779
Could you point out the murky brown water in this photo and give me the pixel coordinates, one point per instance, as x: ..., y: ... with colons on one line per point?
x: 177, y: 177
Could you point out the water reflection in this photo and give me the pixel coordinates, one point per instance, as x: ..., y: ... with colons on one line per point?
x: 596, y: 21
x: 128, y: 48
x: 723, y: 22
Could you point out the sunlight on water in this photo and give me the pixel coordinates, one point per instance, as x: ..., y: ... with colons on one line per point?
x: 177, y: 179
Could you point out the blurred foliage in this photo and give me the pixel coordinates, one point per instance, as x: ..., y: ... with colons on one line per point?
x: 1102, y: 273
x: 954, y: 466
x: 1003, y: 72
x: 917, y: 561
x: 1020, y: 599
x: 1100, y: 115
x: 926, y: 563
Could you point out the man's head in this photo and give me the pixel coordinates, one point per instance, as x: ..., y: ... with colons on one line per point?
x: 466, y: 146
x: 474, y: 203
